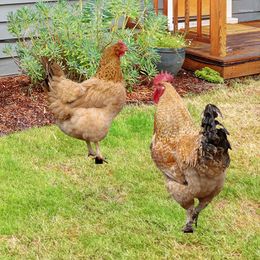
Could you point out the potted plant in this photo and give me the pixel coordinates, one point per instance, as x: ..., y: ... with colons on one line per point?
x: 171, y: 49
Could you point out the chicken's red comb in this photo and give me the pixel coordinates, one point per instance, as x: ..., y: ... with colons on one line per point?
x: 163, y: 76
x: 123, y: 46
x: 121, y: 42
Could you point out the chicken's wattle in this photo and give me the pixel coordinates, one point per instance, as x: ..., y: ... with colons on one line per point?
x: 158, y: 91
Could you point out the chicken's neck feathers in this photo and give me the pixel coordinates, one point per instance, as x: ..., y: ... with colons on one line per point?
x: 109, y: 69
x: 172, y: 117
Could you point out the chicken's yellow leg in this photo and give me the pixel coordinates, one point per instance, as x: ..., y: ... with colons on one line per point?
x: 91, y: 152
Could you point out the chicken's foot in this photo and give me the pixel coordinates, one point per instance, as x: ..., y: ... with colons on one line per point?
x: 99, y: 159
x: 188, y: 228
x: 91, y: 152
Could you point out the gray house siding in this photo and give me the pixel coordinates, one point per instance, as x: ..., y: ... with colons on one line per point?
x: 246, y: 10
x: 7, y: 65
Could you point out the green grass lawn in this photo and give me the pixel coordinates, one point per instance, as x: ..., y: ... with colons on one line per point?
x: 56, y: 204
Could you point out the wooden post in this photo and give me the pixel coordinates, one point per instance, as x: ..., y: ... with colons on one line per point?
x: 165, y: 7
x: 175, y: 15
x: 218, y: 30
x: 155, y: 4
x: 199, y: 18
x: 170, y: 15
x: 187, y: 16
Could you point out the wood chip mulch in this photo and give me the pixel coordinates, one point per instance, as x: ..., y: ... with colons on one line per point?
x: 22, y: 106
x: 185, y: 82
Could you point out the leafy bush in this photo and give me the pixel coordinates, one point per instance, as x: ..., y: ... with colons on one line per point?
x: 209, y: 75
x: 76, y: 34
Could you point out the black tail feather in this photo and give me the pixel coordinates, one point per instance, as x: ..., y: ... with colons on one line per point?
x: 214, y: 133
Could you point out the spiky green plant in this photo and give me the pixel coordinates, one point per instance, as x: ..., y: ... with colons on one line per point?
x: 76, y: 34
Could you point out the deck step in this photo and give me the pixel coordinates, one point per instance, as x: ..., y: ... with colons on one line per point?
x: 243, y: 52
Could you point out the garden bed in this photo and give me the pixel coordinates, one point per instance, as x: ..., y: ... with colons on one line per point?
x: 23, y: 107
x: 20, y: 106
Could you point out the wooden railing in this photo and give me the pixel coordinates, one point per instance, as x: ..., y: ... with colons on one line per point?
x: 217, y: 33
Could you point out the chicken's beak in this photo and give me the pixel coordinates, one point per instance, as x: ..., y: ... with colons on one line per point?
x: 125, y: 48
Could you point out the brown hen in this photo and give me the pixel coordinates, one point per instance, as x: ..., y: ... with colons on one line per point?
x: 86, y: 110
x: 193, y: 162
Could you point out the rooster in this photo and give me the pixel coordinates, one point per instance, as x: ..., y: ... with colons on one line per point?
x: 193, y: 162
x: 86, y: 110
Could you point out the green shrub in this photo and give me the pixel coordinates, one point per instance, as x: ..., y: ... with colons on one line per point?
x: 209, y: 75
x: 76, y: 34
x: 156, y: 32
x: 167, y: 40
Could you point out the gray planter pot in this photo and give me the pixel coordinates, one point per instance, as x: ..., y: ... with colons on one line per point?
x: 171, y: 59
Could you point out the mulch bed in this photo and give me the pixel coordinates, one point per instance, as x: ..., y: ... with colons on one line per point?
x: 23, y: 107
x: 185, y: 82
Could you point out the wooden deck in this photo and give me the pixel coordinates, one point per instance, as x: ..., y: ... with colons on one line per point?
x: 243, y: 51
